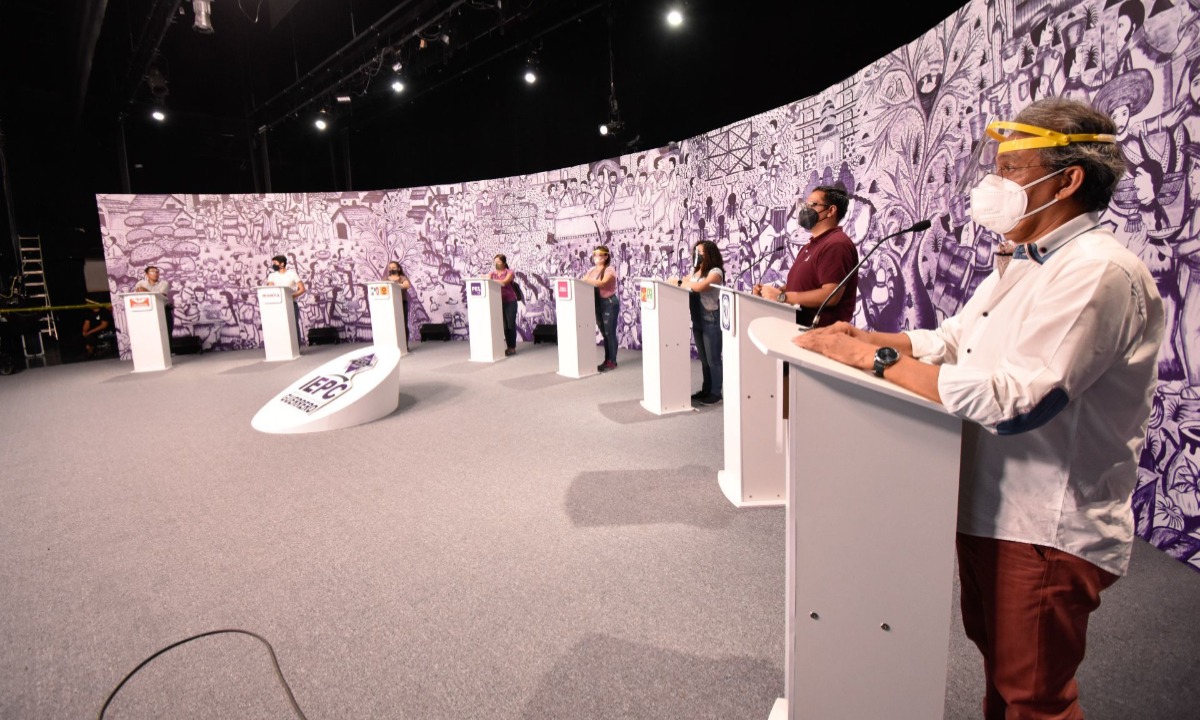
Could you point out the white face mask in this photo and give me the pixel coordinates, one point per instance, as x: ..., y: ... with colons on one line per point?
x: 998, y: 204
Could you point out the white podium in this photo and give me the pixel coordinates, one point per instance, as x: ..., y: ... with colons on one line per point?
x: 666, y: 347
x: 871, y: 513
x: 278, y: 315
x: 485, y: 320
x: 146, y: 322
x: 575, y: 313
x: 386, y: 302
x: 754, y: 473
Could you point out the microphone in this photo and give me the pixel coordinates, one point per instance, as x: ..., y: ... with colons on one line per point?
x: 917, y: 227
x: 755, y: 261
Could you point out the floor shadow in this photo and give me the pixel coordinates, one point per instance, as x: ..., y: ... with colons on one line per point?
x: 606, y: 678
x: 686, y: 495
x: 629, y: 412
x: 538, y: 381
x: 425, y: 394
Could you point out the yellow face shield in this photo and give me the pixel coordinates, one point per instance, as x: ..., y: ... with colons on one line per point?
x: 998, y: 141
x: 1039, y: 137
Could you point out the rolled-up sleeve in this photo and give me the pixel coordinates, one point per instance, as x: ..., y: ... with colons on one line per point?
x: 1083, y: 321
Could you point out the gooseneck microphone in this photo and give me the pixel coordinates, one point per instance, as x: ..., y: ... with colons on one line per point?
x: 917, y: 227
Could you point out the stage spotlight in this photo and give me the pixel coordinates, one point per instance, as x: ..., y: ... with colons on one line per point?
x: 203, y: 11
x: 674, y: 18
x: 322, y: 120
x: 604, y: 129
x: 343, y: 99
x: 397, y: 86
x: 158, y: 115
x: 530, y: 76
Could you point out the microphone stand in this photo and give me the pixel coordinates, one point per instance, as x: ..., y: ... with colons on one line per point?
x: 917, y: 227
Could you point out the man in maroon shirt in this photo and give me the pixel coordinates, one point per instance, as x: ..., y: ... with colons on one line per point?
x: 821, y: 264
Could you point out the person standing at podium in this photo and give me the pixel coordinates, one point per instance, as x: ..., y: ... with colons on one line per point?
x: 508, y: 301
x: 1054, y: 360
x: 704, y: 303
x: 603, y: 276
x: 282, y: 276
x: 152, y: 283
x: 828, y: 258
x: 395, y: 273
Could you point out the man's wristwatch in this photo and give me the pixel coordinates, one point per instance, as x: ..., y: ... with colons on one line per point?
x: 781, y: 297
x: 885, y: 358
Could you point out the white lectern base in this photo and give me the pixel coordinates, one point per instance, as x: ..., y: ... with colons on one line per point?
x: 732, y: 486
x: 136, y: 369
x: 779, y: 710
x: 666, y: 411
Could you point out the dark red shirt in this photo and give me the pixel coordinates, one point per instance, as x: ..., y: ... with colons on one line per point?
x: 826, y: 259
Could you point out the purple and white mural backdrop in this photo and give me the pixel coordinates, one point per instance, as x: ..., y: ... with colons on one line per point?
x: 897, y: 134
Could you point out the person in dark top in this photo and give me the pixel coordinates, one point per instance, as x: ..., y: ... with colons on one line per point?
x: 821, y: 264
x: 98, y: 333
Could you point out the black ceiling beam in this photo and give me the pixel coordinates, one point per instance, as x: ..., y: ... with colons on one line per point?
x: 91, y: 20
x: 363, y: 45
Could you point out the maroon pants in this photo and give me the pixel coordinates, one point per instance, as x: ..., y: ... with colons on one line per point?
x: 1026, y: 607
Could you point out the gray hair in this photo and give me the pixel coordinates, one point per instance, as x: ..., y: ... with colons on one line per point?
x: 1103, y: 163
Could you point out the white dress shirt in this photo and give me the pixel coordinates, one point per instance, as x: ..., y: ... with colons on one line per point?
x: 1056, y: 360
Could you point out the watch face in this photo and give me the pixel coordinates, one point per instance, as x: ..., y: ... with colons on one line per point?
x: 887, y: 355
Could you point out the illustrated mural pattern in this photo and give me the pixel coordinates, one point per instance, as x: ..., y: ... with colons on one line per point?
x: 897, y: 134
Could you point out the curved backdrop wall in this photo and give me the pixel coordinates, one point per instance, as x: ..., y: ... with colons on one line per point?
x: 896, y: 134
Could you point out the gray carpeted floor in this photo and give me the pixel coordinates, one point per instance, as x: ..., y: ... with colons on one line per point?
x: 507, y: 544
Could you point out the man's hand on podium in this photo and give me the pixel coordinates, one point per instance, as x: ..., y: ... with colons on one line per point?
x: 841, y: 342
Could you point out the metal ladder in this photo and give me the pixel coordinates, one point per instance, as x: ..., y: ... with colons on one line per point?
x: 33, y: 277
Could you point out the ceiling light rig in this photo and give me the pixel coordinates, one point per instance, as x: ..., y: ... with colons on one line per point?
x: 614, y: 125
x: 322, y: 120
x: 532, y: 63
x: 674, y: 17
x: 203, y: 11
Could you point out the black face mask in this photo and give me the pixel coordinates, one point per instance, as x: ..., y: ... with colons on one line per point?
x: 275, y: 267
x: 807, y: 218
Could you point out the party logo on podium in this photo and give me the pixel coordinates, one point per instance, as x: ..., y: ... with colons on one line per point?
x: 323, y: 388
x: 563, y: 290
x: 141, y: 304
x: 477, y: 289
x: 270, y: 297
x: 379, y: 291
x: 646, y: 295
x: 727, y: 311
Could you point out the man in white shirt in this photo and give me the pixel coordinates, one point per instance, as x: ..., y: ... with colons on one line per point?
x: 282, y: 275
x: 1054, y: 360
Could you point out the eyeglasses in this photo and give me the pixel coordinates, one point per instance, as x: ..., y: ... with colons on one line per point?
x: 814, y: 206
x: 1004, y: 170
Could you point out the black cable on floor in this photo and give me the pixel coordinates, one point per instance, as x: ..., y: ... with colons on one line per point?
x: 275, y: 661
